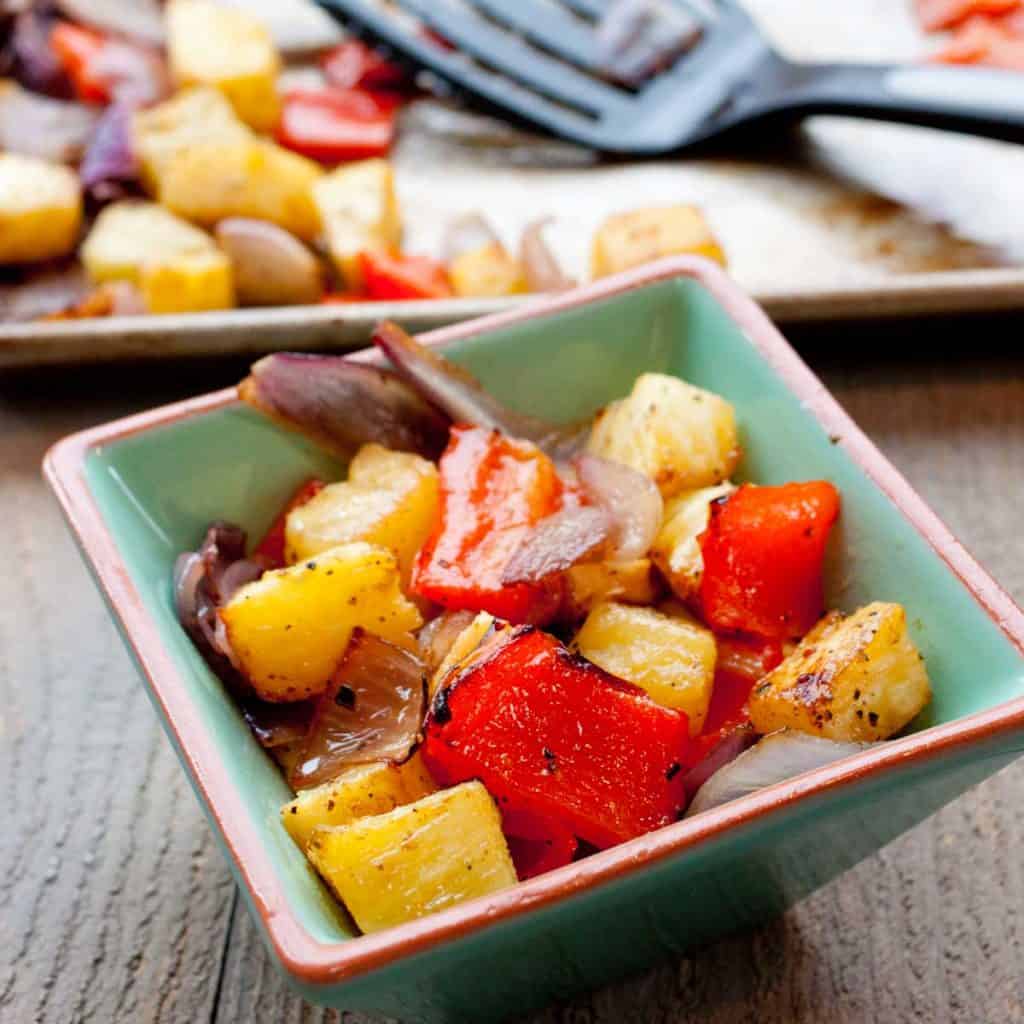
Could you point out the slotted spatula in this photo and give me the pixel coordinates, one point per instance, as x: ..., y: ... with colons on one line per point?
x: 544, y: 61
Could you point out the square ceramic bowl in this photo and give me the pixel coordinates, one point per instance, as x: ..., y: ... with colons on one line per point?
x: 138, y: 491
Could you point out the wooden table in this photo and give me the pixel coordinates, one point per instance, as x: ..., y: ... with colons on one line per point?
x: 115, y: 904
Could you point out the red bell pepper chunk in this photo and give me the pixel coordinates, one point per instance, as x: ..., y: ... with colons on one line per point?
x: 537, y: 845
x: 270, y: 549
x: 493, y: 491
x: 995, y: 42
x: 334, y: 125
x: 403, y: 277
x: 763, y: 551
x: 78, y: 48
x: 936, y: 15
x: 354, y: 65
x: 549, y: 733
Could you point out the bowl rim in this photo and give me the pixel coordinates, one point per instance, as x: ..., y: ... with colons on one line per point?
x: 317, y: 963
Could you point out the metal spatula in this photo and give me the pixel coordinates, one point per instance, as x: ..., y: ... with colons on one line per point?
x: 547, y: 62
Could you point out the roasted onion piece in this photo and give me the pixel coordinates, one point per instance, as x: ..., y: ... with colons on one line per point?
x: 203, y: 581
x: 278, y: 725
x: 725, y: 751
x: 631, y: 501
x: 372, y: 710
x: 109, y: 168
x: 343, y: 404
x: 466, y: 234
x: 57, y: 130
x: 540, y: 265
x: 556, y: 543
x: 453, y: 389
x: 435, y: 639
x: 777, y: 757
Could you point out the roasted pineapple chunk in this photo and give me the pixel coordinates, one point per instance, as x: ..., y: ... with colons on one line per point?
x: 178, y: 268
x: 590, y: 583
x: 251, y: 178
x: 210, y: 44
x: 289, y: 629
x: 855, y: 678
x: 190, y: 283
x: 40, y: 209
x: 671, y: 657
x: 627, y: 240
x: 442, y: 850
x: 488, y: 271
x: 359, y: 211
x: 676, y: 550
x: 679, y: 435
x: 190, y: 118
x: 390, y: 499
x: 360, y: 791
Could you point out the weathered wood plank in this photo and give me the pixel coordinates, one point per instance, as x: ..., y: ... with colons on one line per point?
x: 114, y: 901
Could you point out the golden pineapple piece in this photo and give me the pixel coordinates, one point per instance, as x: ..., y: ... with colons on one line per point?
x: 679, y: 435
x: 488, y: 271
x: 358, y: 209
x: 40, y: 209
x: 858, y: 677
x: 671, y: 657
x: 590, y: 583
x: 289, y: 629
x: 190, y: 118
x: 676, y: 550
x: 250, y: 178
x: 190, y: 283
x: 358, y: 792
x: 464, y: 646
x: 628, y: 240
x: 390, y: 499
x: 442, y: 850
x: 209, y: 44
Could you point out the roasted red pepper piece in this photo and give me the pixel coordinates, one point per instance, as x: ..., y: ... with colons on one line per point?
x: 537, y: 844
x: 78, y: 48
x: 936, y: 15
x: 763, y: 551
x: 995, y: 42
x: 354, y: 65
x: 337, y: 124
x: 270, y: 549
x: 493, y: 490
x: 551, y: 734
x: 403, y: 277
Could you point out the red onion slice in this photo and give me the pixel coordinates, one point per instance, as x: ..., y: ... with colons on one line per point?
x: 466, y: 234
x: 556, y: 543
x: 631, y: 500
x: 777, y: 757
x: 725, y: 751
x: 541, y: 267
x: 453, y: 389
x: 36, y: 65
x: 133, y: 74
x: 371, y: 711
x: 343, y: 404
x: 278, y: 725
x: 57, y: 130
x: 109, y: 168
x: 435, y: 639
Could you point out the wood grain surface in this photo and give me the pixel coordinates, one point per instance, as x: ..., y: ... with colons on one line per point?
x: 116, y: 906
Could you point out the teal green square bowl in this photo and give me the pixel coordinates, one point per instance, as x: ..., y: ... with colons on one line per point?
x: 138, y: 491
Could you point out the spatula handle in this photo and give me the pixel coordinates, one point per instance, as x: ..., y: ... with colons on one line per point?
x: 982, y: 101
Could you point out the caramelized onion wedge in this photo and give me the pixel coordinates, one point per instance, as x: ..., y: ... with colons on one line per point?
x: 777, y: 757
x: 270, y: 266
x: 724, y: 752
x: 557, y: 543
x: 278, y: 725
x: 372, y: 710
x: 452, y: 389
x: 541, y: 267
x: 344, y: 404
x: 435, y: 639
x: 630, y: 499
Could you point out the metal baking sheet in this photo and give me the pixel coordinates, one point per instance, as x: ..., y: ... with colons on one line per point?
x: 836, y: 219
